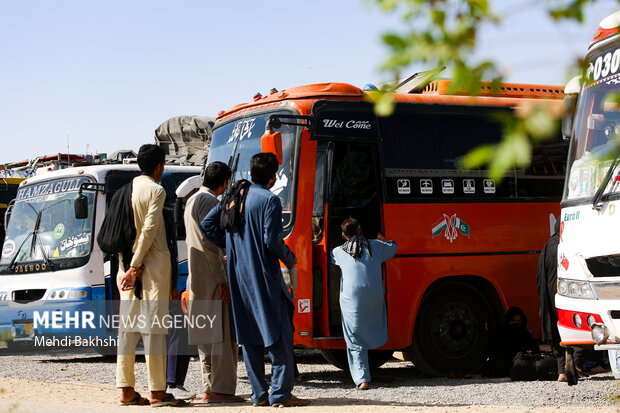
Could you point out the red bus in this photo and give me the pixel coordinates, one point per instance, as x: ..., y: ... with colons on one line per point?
x: 467, y: 245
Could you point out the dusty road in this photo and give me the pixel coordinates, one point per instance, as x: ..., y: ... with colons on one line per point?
x: 23, y: 395
x: 84, y: 383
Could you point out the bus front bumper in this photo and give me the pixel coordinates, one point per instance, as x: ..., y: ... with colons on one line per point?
x: 577, y: 318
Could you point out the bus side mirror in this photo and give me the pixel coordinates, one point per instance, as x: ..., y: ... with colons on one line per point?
x: 272, y: 142
x: 80, y: 207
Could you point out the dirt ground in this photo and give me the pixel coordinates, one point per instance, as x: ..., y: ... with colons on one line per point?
x: 19, y: 395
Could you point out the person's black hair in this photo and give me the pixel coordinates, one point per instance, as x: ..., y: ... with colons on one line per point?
x: 149, y: 156
x: 263, y: 166
x: 514, y: 311
x: 216, y: 173
x: 350, y: 227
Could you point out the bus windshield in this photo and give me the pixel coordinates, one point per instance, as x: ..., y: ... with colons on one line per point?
x: 43, y: 227
x: 597, y: 125
x: 234, y: 143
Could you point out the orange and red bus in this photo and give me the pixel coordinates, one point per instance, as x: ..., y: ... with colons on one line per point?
x: 467, y: 245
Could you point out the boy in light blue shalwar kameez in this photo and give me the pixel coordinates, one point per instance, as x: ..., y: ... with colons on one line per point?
x: 364, y: 317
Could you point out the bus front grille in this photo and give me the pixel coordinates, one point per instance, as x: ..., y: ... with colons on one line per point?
x: 604, y: 266
x: 26, y: 296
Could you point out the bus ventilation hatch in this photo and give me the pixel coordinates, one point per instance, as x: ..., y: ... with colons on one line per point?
x: 604, y: 266
x: 26, y: 296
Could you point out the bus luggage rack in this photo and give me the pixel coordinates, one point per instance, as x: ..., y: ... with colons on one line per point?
x: 27, y: 296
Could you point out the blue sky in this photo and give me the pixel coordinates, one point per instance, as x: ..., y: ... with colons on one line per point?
x: 107, y: 73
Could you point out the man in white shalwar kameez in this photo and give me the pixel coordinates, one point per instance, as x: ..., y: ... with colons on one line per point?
x: 208, y: 287
x: 150, y: 268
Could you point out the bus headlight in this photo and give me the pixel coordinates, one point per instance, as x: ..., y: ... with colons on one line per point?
x: 590, y: 321
x: 4, y: 297
x: 586, y: 291
x: 600, y: 333
x: 67, y: 294
x: 576, y: 289
x: 77, y: 294
x: 577, y: 320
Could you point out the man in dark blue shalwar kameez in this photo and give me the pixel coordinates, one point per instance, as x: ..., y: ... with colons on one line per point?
x: 261, y: 304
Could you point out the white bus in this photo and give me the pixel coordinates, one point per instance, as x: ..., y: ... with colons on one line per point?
x: 50, y: 259
x: 588, y: 296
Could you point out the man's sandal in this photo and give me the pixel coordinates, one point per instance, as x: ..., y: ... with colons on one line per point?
x: 293, y: 401
x: 168, y: 400
x: 136, y: 401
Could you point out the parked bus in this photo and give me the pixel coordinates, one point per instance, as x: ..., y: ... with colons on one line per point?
x: 588, y: 297
x: 468, y: 245
x: 50, y: 260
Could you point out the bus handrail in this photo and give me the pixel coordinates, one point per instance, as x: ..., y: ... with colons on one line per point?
x: 91, y: 186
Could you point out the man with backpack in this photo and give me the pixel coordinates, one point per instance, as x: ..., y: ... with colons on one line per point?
x: 145, y: 286
x: 261, y: 303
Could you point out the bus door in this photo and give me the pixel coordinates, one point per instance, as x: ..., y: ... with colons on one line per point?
x: 354, y: 192
x: 348, y: 181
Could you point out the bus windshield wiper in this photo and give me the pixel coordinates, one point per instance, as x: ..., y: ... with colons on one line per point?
x: 12, y: 263
x: 596, y: 201
x: 233, y: 161
x: 35, y: 238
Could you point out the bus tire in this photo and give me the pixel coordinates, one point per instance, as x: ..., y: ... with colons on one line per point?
x: 20, y: 346
x: 338, y: 358
x: 452, y: 331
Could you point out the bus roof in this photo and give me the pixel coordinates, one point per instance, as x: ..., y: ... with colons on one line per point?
x: 608, y: 27
x: 507, y: 94
x: 100, y: 171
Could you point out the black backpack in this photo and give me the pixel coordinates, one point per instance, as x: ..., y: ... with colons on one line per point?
x: 231, y: 217
x: 118, y: 230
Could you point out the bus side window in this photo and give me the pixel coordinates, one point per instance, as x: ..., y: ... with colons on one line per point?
x: 423, y: 148
x: 544, y: 177
x: 436, y: 141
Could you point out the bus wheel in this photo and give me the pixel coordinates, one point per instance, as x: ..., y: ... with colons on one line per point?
x: 338, y: 358
x: 20, y: 346
x: 451, y: 333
